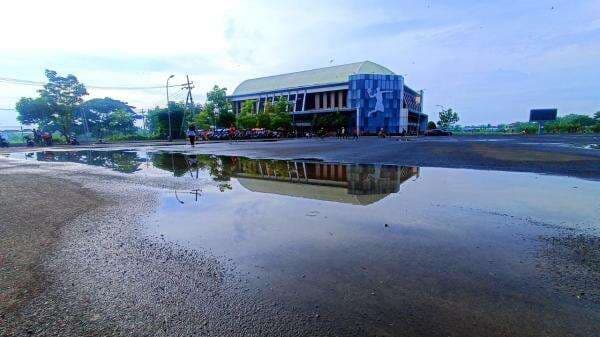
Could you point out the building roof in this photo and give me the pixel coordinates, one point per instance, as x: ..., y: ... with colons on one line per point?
x: 308, y: 78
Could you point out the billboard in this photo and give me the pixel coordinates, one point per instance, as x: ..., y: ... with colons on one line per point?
x: 540, y: 115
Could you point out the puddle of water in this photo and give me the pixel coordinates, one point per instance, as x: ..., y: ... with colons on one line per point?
x: 389, y: 247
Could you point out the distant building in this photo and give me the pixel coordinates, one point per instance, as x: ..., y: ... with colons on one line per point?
x: 369, y: 95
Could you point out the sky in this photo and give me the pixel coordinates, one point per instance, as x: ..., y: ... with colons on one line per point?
x: 491, y: 61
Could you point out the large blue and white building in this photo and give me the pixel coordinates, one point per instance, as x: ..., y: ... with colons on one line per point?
x: 370, y: 96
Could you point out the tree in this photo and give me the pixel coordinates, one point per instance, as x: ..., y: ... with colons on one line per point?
x: 226, y: 119
x: 246, y: 118
x: 263, y: 119
x: 217, y: 97
x: 204, y: 119
x: 431, y: 125
x: 281, y: 118
x: 332, y: 121
x: 282, y: 105
x: 122, y: 121
x: 97, y: 113
x: 62, y: 96
x: 158, y: 120
x: 597, y: 116
x: 269, y: 108
x: 248, y: 107
x: 34, y: 111
x: 448, y: 118
x: 246, y: 121
x: 571, y: 123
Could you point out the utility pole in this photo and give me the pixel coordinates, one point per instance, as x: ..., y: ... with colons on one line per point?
x: 169, y: 108
x: 189, y: 100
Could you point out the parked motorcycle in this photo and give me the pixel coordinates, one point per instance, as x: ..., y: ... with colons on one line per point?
x: 28, y: 141
x: 3, y: 141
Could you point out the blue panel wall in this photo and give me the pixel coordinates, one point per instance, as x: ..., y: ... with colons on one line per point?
x: 378, y: 100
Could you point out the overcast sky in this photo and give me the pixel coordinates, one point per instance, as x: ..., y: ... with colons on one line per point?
x: 489, y: 60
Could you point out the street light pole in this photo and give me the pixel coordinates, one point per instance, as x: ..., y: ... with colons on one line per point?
x: 170, y: 138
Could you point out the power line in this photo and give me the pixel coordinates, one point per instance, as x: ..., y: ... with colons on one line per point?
x: 16, y: 81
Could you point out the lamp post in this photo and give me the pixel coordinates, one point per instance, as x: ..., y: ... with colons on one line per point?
x: 215, y: 116
x: 169, y: 108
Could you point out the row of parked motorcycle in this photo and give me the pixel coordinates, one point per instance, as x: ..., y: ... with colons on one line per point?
x: 222, y: 134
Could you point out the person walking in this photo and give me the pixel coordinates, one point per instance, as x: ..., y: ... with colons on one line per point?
x: 191, y: 133
x: 343, y: 133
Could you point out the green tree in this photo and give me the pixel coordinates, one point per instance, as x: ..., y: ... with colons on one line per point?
x: 248, y: 107
x: 246, y: 121
x: 431, y: 125
x: 269, y: 108
x: 597, y: 116
x: 97, y: 114
x: 571, y: 123
x: 330, y: 122
x: 282, y: 105
x: 34, y: 111
x: 246, y: 118
x: 281, y: 118
x: 62, y: 95
x: 263, y: 119
x: 204, y: 119
x: 448, y: 118
x: 122, y: 121
x: 217, y: 98
x: 158, y: 120
x: 226, y: 119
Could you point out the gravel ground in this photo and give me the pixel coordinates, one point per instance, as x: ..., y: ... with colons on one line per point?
x: 97, y: 277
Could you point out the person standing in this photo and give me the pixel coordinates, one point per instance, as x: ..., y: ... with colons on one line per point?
x: 191, y: 133
x: 343, y: 133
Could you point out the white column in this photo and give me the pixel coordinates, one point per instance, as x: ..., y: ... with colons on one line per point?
x: 304, y: 101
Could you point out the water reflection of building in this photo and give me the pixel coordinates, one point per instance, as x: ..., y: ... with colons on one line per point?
x: 346, y: 183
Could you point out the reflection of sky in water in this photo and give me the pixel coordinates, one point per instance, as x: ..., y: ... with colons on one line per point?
x: 441, y: 202
x: 455, y: 239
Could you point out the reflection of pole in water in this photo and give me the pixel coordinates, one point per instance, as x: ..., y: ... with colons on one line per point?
x: 196, y: 192
x: 177, y: 197
x: 172, y: 164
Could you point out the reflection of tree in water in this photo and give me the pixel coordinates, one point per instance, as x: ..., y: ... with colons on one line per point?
x: 172, y: 162
x: 120, y: 161
x: 219, y: 168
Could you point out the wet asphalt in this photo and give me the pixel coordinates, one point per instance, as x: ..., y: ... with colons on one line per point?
x: 568, y: 155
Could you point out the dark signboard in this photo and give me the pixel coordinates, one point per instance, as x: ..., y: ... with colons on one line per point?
x: 538, y: 115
